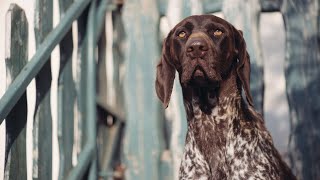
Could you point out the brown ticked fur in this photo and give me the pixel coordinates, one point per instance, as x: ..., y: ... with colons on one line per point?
x: 226, y: 137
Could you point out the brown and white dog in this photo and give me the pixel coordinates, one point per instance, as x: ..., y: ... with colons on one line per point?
x: 226, y: 137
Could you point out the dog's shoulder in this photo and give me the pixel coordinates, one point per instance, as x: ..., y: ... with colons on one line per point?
x: 250, y: 150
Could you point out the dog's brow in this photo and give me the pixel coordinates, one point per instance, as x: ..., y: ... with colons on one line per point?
x: 212, y: 25
x: 188, y: 25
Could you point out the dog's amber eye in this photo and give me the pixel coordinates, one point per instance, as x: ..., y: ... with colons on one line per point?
x: 217, y: 32
x: 182, y: 34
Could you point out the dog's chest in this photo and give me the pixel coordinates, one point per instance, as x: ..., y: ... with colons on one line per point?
x: 221, y: 146
x: 205, y: 149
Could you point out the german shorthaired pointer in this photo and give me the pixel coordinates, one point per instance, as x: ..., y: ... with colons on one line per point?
x: 226, y: 137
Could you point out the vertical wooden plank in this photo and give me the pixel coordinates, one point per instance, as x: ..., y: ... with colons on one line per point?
x: 210, y: 6
x: 302, y: 73
x: 91, y: 120
x: 118, y: 56
x: 245, y: 16
x: 84, y: 88
x: 102, y: 88
x: 66, y: 98
x: 42, y: 128
x: 143, y: 140
x: 86, y: 167
x: 102, y: 77
x: 16, y: 57
x: 80, y: 80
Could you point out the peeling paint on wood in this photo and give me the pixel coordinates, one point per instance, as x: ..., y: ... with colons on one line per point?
x: 42, y: 126
x: 302, y: 73
x: 16, y: 58
x: 143, y: 140
x: 66, y: 98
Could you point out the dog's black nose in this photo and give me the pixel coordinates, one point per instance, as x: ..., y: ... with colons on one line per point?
x: 196, y: 47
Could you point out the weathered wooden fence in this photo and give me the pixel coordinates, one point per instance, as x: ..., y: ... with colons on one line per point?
x: 152, y: 145
x: 77, y: 107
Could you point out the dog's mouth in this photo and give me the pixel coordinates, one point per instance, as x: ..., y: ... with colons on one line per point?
x: 199, y: 74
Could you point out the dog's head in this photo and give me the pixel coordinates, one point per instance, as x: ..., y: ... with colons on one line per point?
x: 203, y: 49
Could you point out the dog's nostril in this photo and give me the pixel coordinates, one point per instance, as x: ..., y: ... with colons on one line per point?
x: 203, y: 48
x: 197, y: 45
x: 190, y: 49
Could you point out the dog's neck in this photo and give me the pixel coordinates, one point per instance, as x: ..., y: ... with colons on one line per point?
x: 211, y: 112
x: 210, y: 101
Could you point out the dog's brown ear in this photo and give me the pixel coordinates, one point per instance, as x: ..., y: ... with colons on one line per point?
x: 165, y: 74
x: 243, y: 65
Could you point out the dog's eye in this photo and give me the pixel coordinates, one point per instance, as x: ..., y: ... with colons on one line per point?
x: 182, y: 34
x: 217, y: 32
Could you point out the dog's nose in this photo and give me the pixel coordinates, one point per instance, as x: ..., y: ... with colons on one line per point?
x: 196, y: 47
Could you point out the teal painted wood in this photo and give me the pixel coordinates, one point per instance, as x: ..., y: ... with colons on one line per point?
x: 102, y: 56
x: 17, y: 88
x: 245, y: 16
x: 109, y: 142
x: 80, y: 81
x: 210, y: 6
x: 270, y: 5
x: 105, y: 135
x: 102, y: 7
x: 91, y: 90
x: 42, y: 125
x: 86, y: 147
x: 66, y: 98
x: 80, y: 93
x: 143, y: 142
x: 16, y: 58
x: 118, y: 56
x: 102, y: 77
x: 163, y: 7
x: 108, y: 137
x: 115, y: 108
x: 87, y: 160
x: 302, y: 73
x: 102, y: 89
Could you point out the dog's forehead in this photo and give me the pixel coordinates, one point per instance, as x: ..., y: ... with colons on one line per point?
x: 201, y: 20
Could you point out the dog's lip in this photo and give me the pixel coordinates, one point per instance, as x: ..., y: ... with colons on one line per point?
x: 198, y: 72
x: 199, y: 76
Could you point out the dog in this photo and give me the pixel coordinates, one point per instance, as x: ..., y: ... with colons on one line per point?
x: 226, y: 137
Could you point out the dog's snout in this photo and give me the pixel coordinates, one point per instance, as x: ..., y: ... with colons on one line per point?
x: 196, y: 47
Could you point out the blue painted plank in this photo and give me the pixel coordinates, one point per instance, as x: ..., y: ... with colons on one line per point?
x: 143, y: 143
x: 42, y: 125
x: 16, y: 58
x: 302, y: 73
x: 66, y: 98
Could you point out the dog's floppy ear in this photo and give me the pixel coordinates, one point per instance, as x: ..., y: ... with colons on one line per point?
x: 243, y: 65
x: 165, y: 74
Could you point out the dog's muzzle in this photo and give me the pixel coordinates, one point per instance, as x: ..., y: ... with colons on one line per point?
x: 198, y: 51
